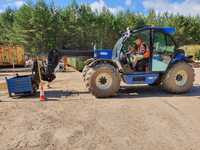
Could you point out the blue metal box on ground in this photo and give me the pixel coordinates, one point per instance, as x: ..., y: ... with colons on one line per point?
x: 20, y: 85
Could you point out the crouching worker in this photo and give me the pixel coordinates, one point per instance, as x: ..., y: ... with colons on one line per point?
x: 139, y: 52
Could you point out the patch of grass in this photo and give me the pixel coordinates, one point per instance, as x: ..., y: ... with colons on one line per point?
x: 193, y: 50
x: 197, y: 55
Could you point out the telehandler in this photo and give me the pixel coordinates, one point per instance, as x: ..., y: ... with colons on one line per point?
x: 167, y: 65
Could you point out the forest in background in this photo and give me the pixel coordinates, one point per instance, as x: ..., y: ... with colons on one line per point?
x: 40, y: 27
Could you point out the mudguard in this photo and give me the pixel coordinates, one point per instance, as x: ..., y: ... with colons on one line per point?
x: 182, y: 57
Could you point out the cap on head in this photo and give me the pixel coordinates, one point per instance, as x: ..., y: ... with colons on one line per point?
x: 140, y: 37
x: 139, y: 40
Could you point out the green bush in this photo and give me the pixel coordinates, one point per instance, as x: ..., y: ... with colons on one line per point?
x: 197, y: 55
x: 77, y: 63
x: 191, y: 50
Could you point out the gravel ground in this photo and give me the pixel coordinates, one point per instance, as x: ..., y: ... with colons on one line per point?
x: 138, y: 118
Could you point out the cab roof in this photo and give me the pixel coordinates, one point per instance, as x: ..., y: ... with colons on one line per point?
x: 168, y: 30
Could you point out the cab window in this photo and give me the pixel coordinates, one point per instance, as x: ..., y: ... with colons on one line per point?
x: 145, y: 35
x: 170, y: 44
x: 163, y: 43
x: 163, y: 49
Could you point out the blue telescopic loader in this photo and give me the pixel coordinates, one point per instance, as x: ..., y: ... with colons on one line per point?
x: 167, y: 66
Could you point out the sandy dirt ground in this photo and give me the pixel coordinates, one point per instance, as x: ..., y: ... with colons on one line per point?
x: 138, y: 118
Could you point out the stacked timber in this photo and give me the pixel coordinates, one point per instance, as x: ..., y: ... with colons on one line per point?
x: 11, y: 55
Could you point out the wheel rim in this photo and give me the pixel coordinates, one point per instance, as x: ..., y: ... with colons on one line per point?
x: 181, y: 78
x: 104, y: 81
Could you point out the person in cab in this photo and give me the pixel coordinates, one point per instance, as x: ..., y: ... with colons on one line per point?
x: 139, y: 53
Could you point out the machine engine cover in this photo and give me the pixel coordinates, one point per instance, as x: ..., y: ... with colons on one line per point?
x: 103, y: 54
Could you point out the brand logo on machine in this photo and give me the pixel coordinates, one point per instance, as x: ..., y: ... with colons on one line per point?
x: 151, y: 78
x: 104, y: 53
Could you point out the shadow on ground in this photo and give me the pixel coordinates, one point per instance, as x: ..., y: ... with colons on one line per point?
x: 56, y: 95
x: 148, y: 91
x: 125, y: 92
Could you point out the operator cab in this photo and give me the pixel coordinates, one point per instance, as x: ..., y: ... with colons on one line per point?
x: 130, y: 50
x: 157, y: 41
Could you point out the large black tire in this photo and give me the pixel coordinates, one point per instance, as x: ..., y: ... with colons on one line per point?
x: 179, y: 78
x: 103, y: 80
x: 86, y: 67
x: 85, y: 70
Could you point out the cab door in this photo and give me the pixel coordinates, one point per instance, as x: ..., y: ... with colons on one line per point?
x: 130, y: 42
x: 163, y: 50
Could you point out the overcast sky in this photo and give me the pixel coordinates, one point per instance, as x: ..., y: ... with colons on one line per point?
x: 185, y: 7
